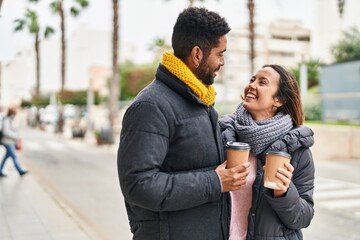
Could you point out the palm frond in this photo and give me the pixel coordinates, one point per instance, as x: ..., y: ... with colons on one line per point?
x: 83, y: 3
x: 55, y: 6
x: 48, y: 31
x: 30, y: 14
x: 74, y: 11
x: 20, y: 23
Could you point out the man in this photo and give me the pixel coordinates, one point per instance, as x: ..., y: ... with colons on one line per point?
x: 171, y: 155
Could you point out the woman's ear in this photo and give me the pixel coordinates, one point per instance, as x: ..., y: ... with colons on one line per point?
x: 278, y: 103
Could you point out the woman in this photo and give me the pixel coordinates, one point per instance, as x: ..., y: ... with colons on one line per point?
x: 270, y: 118
x: 9, y: 140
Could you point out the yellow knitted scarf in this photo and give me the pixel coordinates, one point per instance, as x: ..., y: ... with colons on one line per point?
x: 206, y: 93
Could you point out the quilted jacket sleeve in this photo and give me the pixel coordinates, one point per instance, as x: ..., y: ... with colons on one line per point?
x: 295, y: 209
x: 227, y: 127
x: 143, y: 147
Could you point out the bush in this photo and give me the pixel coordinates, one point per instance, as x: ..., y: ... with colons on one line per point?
x: 348, y: 47
x: 38, y: 101
x: 134, y: 78
x: 78, y: 98
x: 312, y: 107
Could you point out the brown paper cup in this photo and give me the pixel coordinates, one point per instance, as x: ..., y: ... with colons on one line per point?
x: 236, y: 153
x: 274, y: 160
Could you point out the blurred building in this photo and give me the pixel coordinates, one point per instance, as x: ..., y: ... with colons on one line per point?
x: 340, y: 91
x: 18, y: 78
x: 284, y: 41
x: 86, y: 48
x: 287, y: 42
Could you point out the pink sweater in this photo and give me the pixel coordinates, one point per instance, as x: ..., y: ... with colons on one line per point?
x: 241, y: 204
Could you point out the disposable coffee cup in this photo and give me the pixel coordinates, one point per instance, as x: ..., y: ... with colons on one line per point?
x: 274, y: 160
x: 236, y: 153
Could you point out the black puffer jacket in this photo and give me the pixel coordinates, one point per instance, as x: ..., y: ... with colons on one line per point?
x: 282, y: 218
x: 169, y: 147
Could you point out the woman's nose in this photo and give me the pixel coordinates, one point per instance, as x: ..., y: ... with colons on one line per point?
x: 252, y: 85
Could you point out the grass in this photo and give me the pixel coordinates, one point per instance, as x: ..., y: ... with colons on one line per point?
x: 336, y: 123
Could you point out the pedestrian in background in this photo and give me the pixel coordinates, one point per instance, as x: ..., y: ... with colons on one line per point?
x: 171, y: 154
x: 9, y: 139
x: 270, y: 118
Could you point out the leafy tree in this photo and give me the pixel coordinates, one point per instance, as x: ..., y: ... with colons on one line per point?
x: 312, y: 66
x: 57, y: 7
x: 135, y: 78
x: 37, y: 100
x: 30, y: 22
x: 348, y: 48
x: 76, y: 97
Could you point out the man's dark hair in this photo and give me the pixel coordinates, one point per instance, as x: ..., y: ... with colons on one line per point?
x: 197, y: 27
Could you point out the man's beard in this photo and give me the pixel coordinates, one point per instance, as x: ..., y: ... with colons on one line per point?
x: 203, y: 75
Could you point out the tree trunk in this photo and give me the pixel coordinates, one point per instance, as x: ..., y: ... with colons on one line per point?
x: 114, y: 84
x: 37, y: 53
x: 63, y: 44
x: 251, y: 35
x: 191, y: 3
x: 1, y: 3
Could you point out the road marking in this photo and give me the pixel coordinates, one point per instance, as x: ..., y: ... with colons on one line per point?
x: 338, y: 193
x: 323, y: 186
x: 340, y: 196
x: 341, y: 204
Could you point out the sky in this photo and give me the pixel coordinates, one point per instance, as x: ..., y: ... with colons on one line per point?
x: 141, y: 21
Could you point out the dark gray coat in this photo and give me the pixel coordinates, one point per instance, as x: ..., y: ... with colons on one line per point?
x: 170, y: 145
x: 282, y: 218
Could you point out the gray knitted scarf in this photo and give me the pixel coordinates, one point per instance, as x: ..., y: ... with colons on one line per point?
x: 260, y: 134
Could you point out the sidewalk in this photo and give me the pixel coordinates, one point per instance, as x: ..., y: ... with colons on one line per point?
x: 30, y: 212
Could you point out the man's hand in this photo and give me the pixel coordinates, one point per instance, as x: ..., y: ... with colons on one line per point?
x: 233, y: 178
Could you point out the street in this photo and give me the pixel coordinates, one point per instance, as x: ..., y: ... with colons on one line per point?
x: 337, y: 201
x: 84, y: 177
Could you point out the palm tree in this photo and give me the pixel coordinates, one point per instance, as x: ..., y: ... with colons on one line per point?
x: 341, y: 5
x: 251, y: 7
x: 158, y: 46
x: 191, y: 2
x: 58, y: 7
x: 1, y: 1
x: 114, y: 82
x: 30, y: 21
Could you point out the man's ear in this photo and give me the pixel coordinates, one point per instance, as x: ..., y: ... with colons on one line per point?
x: 196, y: 56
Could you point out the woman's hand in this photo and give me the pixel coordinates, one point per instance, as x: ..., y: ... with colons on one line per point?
x: 285, y: 175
